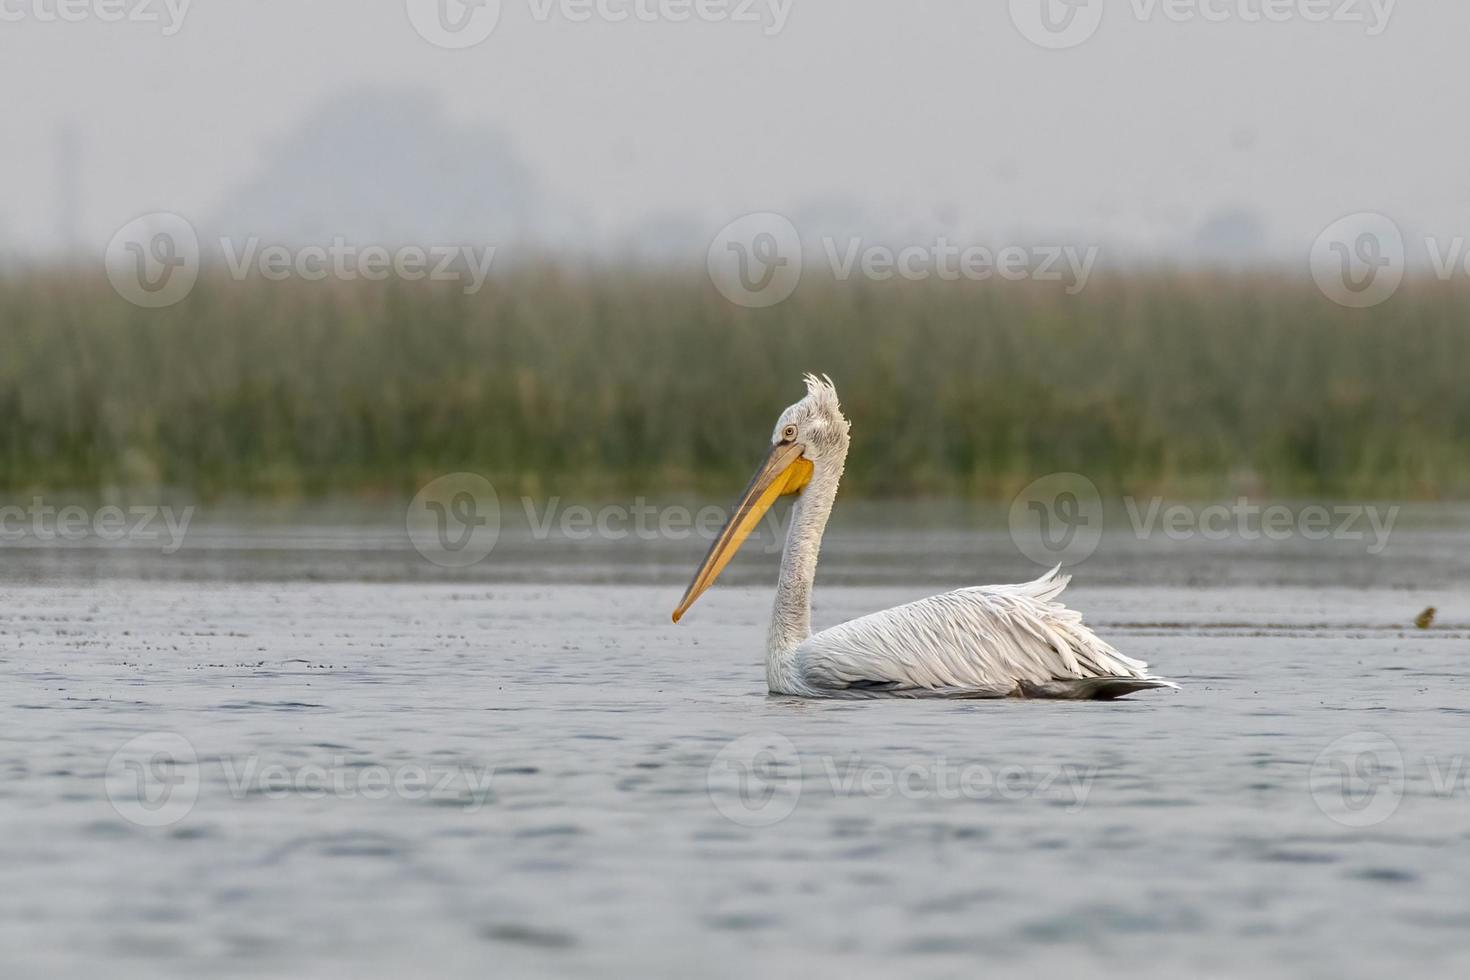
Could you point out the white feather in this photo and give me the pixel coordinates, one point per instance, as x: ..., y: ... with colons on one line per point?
x: 988, y: 641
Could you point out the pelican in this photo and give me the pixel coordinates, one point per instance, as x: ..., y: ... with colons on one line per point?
x: 993, y: 641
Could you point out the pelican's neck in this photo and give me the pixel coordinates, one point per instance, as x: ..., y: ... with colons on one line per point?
x: 791, y: 620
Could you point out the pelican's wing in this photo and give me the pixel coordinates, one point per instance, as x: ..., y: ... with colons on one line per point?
x: 991, y: 641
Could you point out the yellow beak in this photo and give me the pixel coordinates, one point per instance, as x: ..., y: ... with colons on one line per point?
x: 785, y: 471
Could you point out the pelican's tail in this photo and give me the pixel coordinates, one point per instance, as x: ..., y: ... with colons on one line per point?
x: 1091, y: 688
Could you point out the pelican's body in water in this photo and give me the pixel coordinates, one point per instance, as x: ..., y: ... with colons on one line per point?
x: 988, y: 642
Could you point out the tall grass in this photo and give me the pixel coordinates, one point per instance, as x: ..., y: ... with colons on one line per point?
x: 618, y: 381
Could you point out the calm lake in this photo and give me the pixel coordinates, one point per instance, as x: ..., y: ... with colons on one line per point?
x: 295, y: 746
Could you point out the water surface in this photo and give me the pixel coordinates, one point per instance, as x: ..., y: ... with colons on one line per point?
x: 575, y: 787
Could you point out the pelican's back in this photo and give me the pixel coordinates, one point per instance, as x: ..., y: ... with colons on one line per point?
x: 985, y: 642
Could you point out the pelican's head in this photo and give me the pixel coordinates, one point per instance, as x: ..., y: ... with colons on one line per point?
x: 815, y: 424
x: 810, y: 435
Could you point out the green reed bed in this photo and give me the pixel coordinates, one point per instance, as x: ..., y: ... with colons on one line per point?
x: 626, y: 381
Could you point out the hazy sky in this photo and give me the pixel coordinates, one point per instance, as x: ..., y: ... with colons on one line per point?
x: 905, y: 108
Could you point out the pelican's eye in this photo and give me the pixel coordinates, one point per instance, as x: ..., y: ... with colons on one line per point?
x: 788, y: 434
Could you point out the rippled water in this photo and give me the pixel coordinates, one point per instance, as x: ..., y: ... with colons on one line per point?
x: 528, y: 771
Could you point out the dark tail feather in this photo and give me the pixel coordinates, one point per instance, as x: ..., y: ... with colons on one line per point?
x: 1091, y: 688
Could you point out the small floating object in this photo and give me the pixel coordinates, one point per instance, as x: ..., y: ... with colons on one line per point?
x: 1426, y: 619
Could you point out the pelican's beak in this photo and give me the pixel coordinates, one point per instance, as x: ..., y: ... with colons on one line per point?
x: 785, y: 471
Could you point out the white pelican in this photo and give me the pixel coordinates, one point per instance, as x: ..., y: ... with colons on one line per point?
x: 989, y: 642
